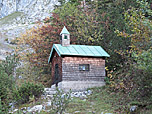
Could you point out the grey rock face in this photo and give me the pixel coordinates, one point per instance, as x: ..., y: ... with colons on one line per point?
x: 6, y: 7
x: 36, y: 108
x: 33, y: 9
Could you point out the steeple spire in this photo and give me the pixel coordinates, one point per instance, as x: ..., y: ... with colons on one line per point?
x: 65, y: 37
x: 64, y: 31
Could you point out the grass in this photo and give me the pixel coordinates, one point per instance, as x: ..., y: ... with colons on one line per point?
x: 103, y: 100
x: 95, y: 104
x: 9, y: 18
x: 99, y: 101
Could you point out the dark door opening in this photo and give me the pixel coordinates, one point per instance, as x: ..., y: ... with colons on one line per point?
x: 56, y: 75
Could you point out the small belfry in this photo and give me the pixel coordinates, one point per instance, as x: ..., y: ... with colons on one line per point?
x: 76, y: 67
x: 65, y: 37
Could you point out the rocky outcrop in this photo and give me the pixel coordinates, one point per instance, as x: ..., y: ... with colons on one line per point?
x: 32, y: 9
x: 47, y: 100
x: 16, y: 16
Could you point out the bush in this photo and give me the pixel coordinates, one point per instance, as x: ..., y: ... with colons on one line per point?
x: 9, y: 64
x: 1, y: 108
x: 6, y: 81
x: 22, y: 94
x: 135, y: 78
x: 107, y: 80
x: 5, y: 85
x: 144, y: 63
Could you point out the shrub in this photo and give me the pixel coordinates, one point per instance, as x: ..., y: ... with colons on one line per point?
x: 144, y: 63
x: 10, y: 63
x: 107, y: 80
x: 6, y: 81
x: 22, y: 94
x: 5, y: 85
x: 135, y: 78
x: 1, y: 108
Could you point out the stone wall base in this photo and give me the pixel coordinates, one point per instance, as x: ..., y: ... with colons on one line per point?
x: 79, y: 85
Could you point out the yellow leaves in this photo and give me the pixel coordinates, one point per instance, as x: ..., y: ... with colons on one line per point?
x: 112, y: 84
x: 90, y: 39
x: 123, y: 34
x: 140, y: 27
x: 136, y: 30
x: 106, y: 68
x: 117, y: 86
x: 110, y: 76
x: 120, y: 52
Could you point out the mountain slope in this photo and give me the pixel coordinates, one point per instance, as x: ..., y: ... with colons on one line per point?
x: 33, y: 9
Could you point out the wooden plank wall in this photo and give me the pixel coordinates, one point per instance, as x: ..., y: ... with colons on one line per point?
x: 70, y: 69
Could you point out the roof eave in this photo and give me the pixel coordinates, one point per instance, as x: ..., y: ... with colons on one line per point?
x: 84, y: 55
x: 53, y: 48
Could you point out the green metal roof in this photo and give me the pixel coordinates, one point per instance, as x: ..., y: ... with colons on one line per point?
x: 78, y: 50
x: 64, y: 31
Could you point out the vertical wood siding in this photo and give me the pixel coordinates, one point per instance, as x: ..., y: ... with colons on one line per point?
x: 70, y: 69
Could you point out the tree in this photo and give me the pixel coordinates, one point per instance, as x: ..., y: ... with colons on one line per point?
x: 136, y: 74
x: 95, y: 24
x: 7, y: 82
x: 41, y: 38
x: 140, y: 28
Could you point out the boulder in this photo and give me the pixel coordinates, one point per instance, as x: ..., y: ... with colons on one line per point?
x: 36, y: 108
x: 133, y: 108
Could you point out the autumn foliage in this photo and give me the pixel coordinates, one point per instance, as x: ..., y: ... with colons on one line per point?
x: 41, y: 38
x: 120, y: 27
